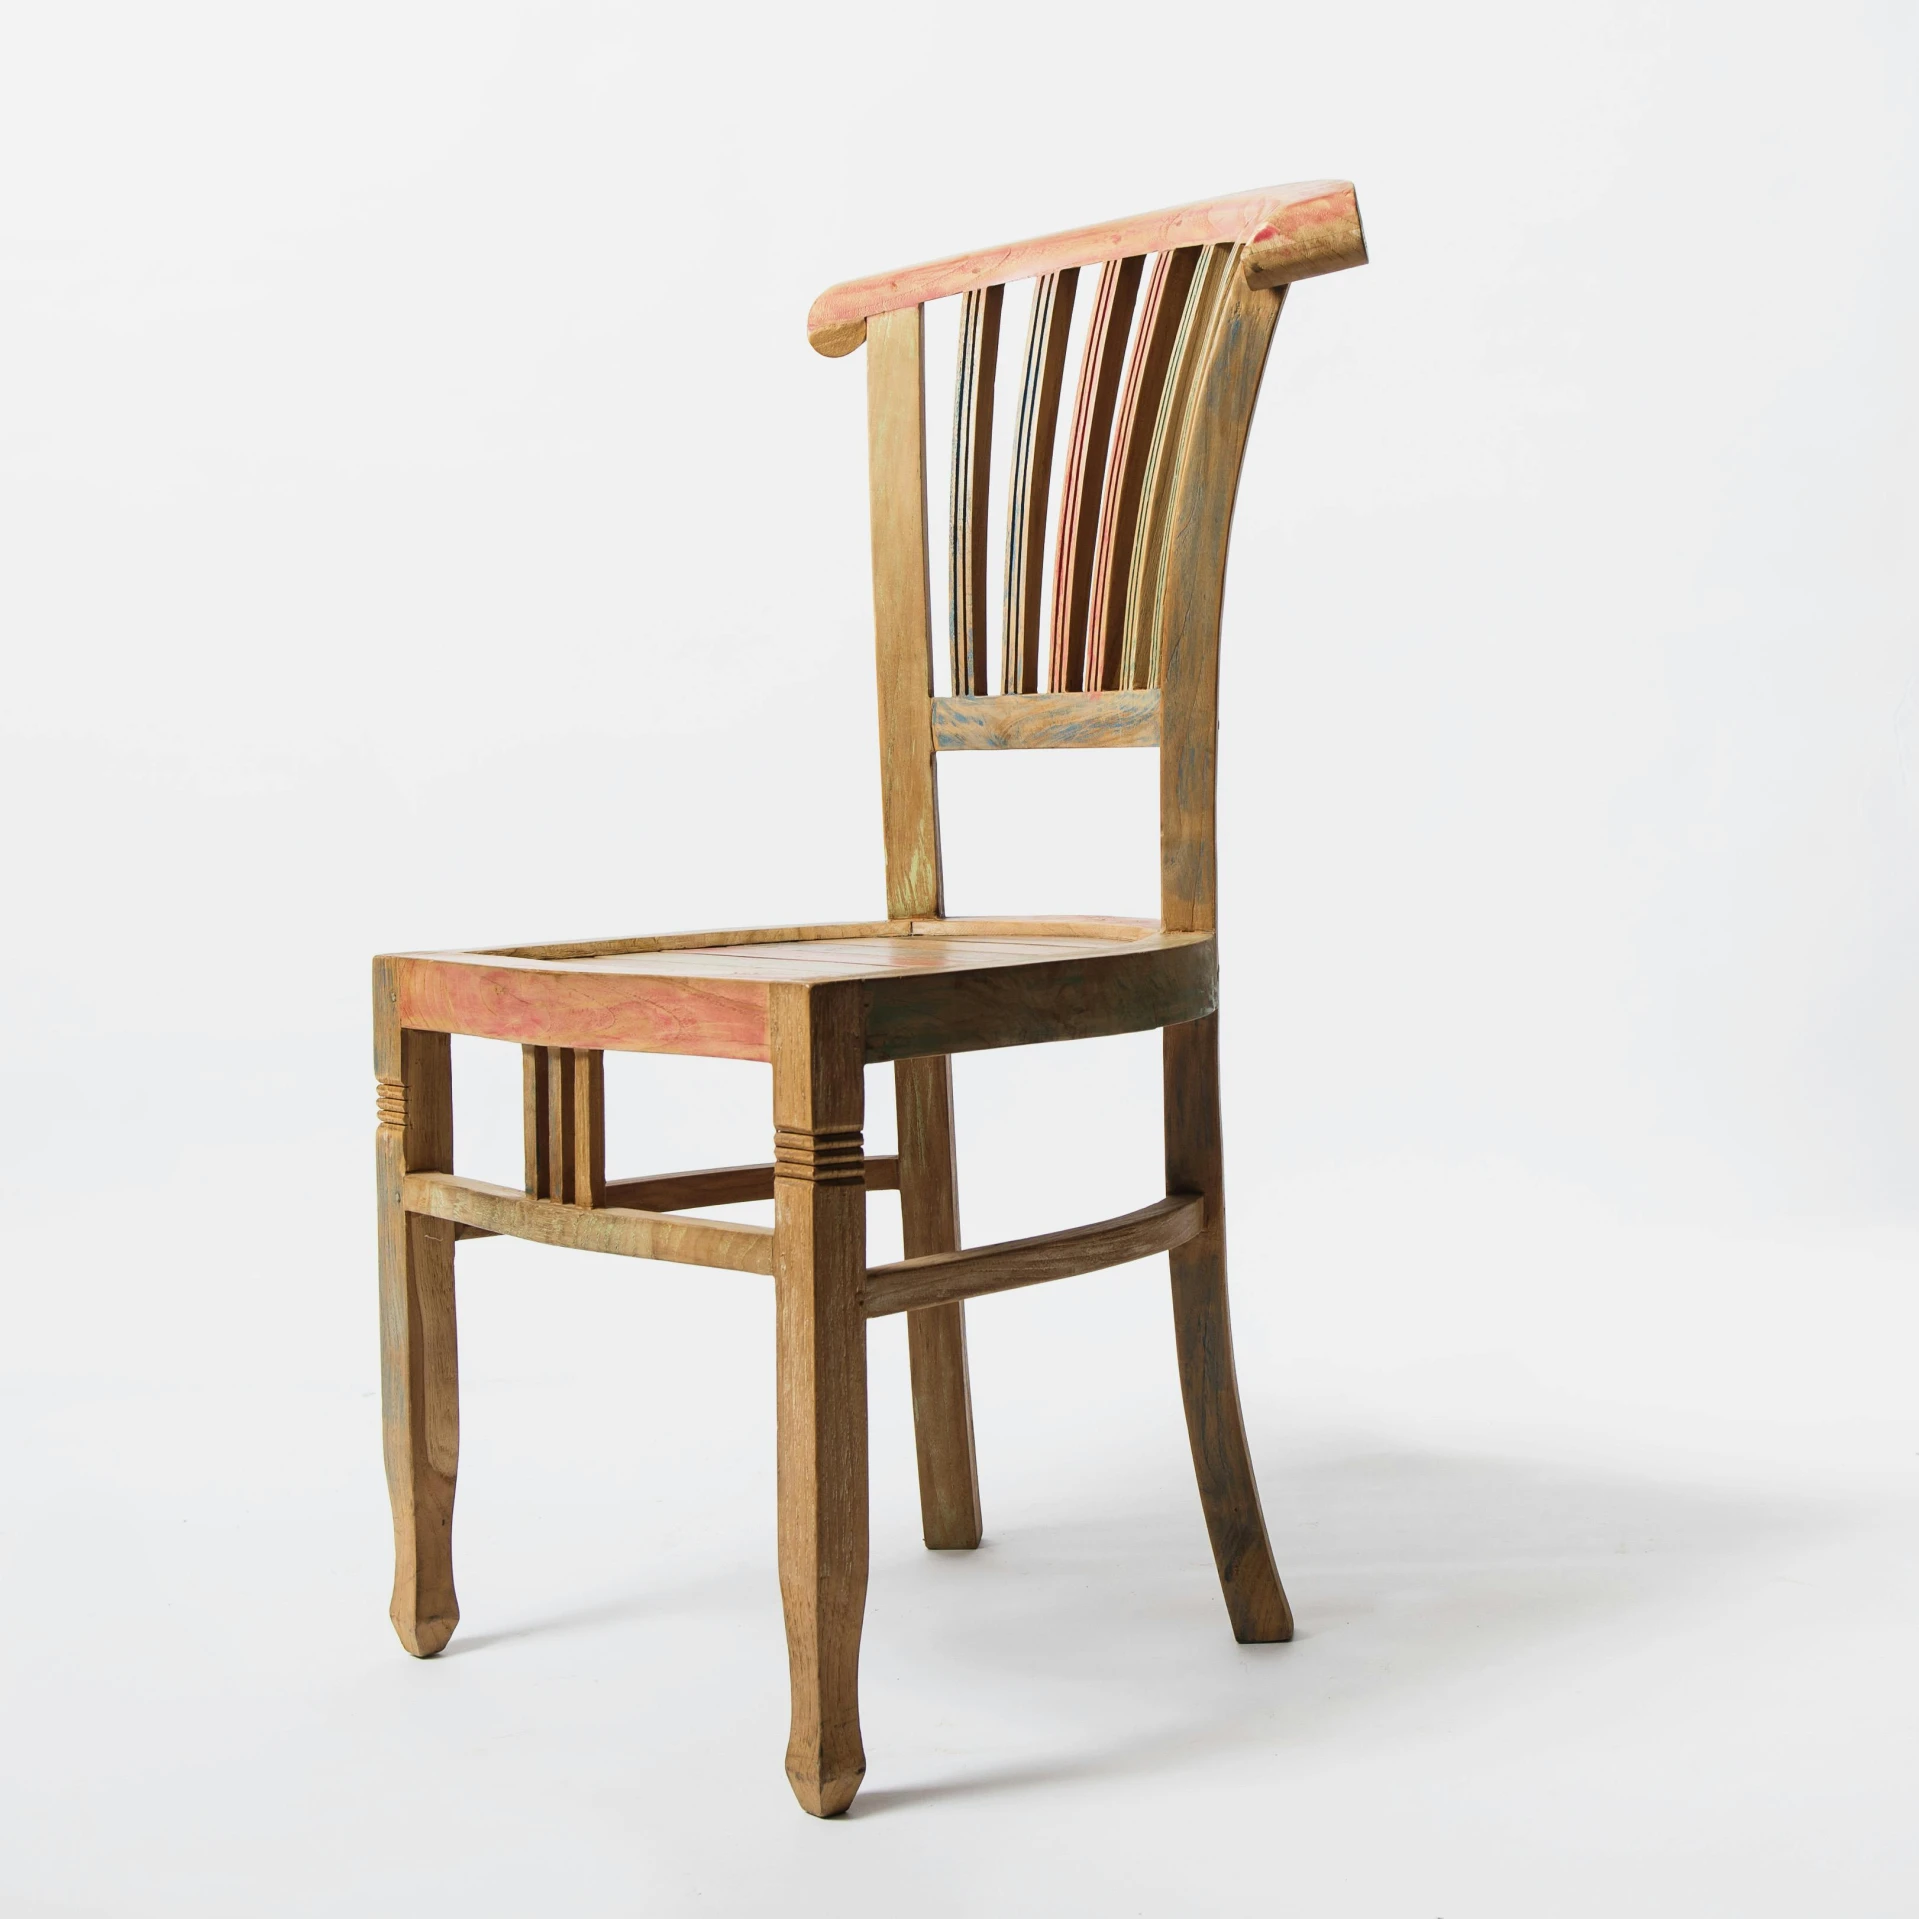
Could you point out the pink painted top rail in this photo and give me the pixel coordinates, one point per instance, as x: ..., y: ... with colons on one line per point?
x: 1290, y: 233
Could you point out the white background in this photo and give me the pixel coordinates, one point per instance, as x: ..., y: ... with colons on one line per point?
x: 423, y: 523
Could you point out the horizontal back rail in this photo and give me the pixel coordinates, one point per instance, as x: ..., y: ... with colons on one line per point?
x: 1290, y: 233
x: 1039, y: 720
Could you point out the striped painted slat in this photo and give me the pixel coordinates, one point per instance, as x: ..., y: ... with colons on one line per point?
x: 972, y: 483
x: 1084, y: 482
x: 1039, y: 392
x: 1139, y: 653
x: 1152, y: 354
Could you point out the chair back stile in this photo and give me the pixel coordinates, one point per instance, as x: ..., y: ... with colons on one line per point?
x: 1174, y: 346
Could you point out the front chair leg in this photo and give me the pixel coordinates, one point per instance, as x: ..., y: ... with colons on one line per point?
x: 819, y: 1266
x: 419, y: 1364
x: 1255, y: 1600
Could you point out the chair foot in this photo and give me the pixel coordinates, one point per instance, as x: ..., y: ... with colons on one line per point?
x: 423, y: 1637
x: 824, y: 1796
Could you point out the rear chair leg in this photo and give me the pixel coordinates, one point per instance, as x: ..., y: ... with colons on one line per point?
x: 419, y: 1363
x: 1255, y: 1600
x: 936, y: 1335
x: 819, y: 1266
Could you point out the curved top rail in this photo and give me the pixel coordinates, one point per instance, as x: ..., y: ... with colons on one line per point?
x: 1290, y: 233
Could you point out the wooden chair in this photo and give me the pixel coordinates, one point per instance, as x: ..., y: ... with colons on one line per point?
x: 1182, y: 314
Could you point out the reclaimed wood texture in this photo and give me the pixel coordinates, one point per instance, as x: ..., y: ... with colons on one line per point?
x: 538, y: 1003
x: 419, y: 1345
x: 909, y: 1284
x: 1153, y: 550
x: 564, y: 1123
x: 1146, y: 368
x: 689, y: 942
x: 1028, y: 721
x: 972, y: 484
x: 1130, y: 989
x: 1209, y: 1383
x: 603, y: 1229
x: 1157, y: 434
x: 936, y: 1337
x: 1186, y: 618
x: 1102, y: 363
x: 1291, y: 233
x: 896, y: 460
x: 1048, y: 325
x: 819, y: 1261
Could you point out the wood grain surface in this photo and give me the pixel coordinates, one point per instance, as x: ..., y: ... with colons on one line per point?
x: 1039, y: 721
x: 819, y: 1261
x: 936, y: 1338
x: 419, y: 1344
x: 910, y: 1284
x: 1292, y: 232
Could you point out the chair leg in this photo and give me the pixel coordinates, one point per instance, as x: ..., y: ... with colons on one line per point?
x: 936, y: 1335
x: 819, y: 1264
x: 419, y: 1362
x: 1255, y: 1600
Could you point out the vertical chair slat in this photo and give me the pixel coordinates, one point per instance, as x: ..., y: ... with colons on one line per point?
x: 1040, y: 383
x: 972, y: 483
x: 589, y: 1129
x: 560, y: 1137
x: 1139, y: 655
x: 533, y: 1104
x: 1084, y: 483
x: 1153, y: 339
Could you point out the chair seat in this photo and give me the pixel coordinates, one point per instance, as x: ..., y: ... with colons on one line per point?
x: 929, y: 986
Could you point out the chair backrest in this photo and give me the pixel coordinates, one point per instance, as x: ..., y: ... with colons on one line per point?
x: 1182, y: 316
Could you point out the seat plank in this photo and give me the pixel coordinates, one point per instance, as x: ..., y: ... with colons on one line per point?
x: 935, y: 1278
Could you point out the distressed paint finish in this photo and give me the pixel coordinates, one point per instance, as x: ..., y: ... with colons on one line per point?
x: 1047, y: 329
x: 1102, y: 364
x: 971, y: 495
x: 820, y: 1002
x: 1146, y: 371
x: 1039, y: 720
x: 549, y: 1004
x: 1294, y: 232
x: 1153, y: 552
